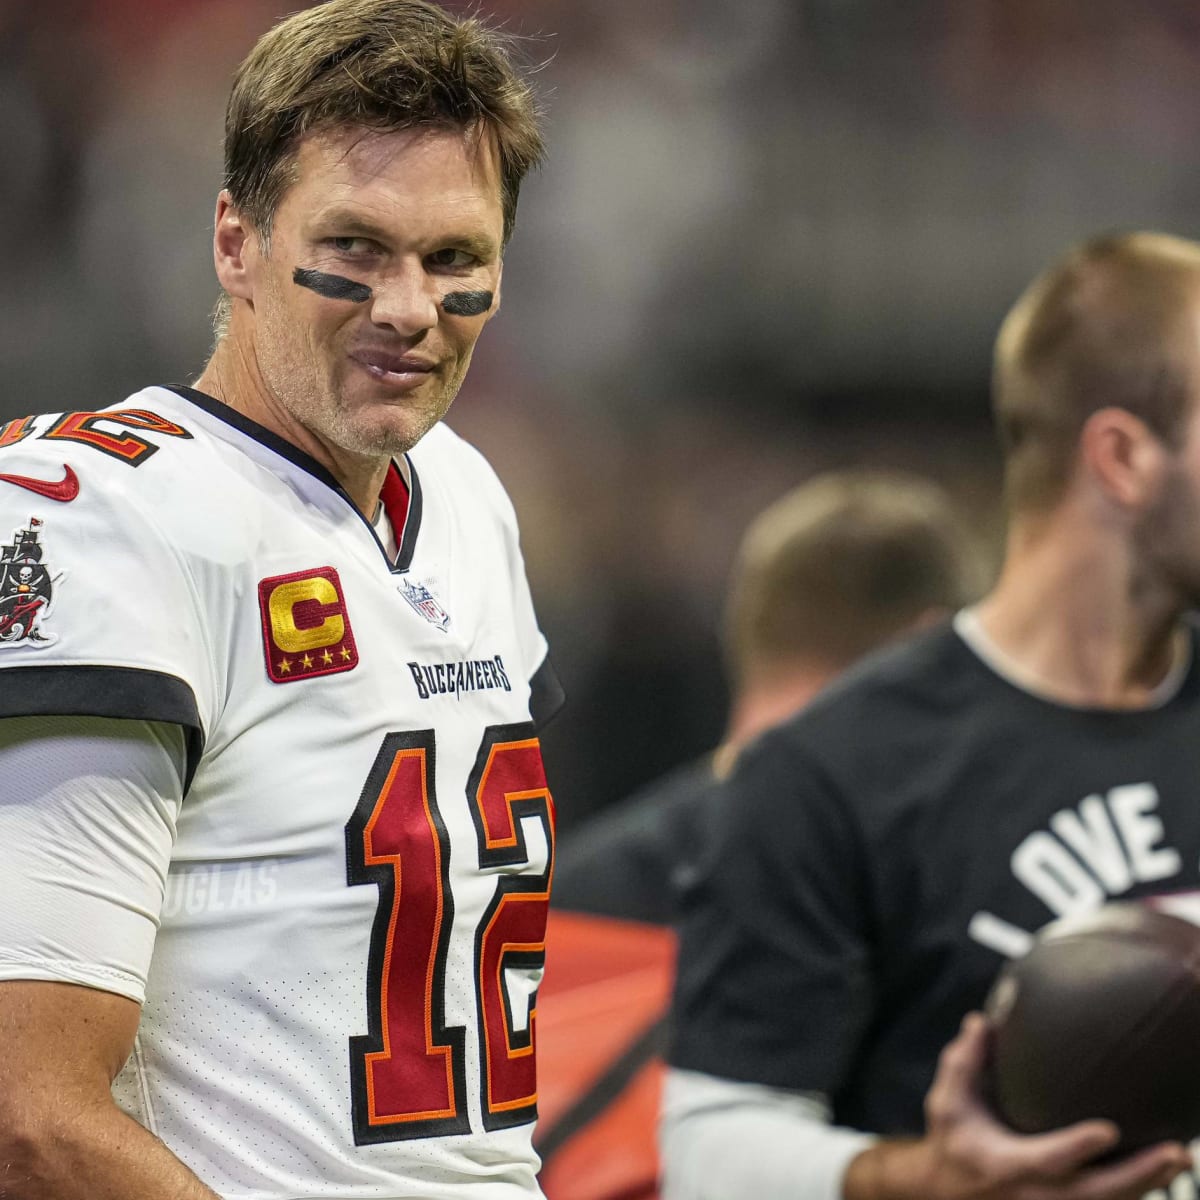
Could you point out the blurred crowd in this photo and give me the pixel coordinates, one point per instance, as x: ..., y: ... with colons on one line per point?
x: 772, y: 237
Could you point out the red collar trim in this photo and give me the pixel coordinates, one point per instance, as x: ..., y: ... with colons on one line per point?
x: 395, y: 497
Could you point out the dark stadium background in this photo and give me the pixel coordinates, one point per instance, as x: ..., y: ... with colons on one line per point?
x: 772, y: 236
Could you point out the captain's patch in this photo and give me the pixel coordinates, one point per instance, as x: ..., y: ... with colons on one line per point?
x: 306, y: 628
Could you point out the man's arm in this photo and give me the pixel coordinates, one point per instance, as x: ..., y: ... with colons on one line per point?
x: 723, y: 1138
x: 87, y: 820
x: 774, y: 989
x: 61, y: 1135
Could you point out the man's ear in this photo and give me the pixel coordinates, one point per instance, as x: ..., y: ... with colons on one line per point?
x: 1123, y: 456
x: 235, y: 249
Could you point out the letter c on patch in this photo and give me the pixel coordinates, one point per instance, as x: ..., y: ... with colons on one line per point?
x: 285, y: 599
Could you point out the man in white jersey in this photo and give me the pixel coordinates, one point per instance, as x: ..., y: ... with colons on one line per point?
x: 275, y: 836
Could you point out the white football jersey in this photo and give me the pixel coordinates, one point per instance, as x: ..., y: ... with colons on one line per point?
x: 341, y: 996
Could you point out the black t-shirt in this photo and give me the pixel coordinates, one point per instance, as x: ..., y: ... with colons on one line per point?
x: 632, y: 860
x: 874, y: 858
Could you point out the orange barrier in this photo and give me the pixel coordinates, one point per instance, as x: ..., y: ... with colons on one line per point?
x: 600, y: 1029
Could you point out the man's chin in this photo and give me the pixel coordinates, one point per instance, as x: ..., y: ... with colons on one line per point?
x: 387, y: 435
x: 375, y: 423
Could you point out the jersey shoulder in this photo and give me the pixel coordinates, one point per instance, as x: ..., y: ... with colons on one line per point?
x: 173, y: 468
x: 147, y: 454
x: 446, y: 460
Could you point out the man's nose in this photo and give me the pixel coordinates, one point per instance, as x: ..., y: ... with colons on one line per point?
x: 407, y: 301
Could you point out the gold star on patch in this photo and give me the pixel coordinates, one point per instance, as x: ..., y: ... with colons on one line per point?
x: 345, y: 654
x: 327, y: 658
x: 307, y: 661
x: 285, y: 665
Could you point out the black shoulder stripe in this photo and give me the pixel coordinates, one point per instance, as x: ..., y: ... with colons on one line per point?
x: 546, y: 695
x: 96, y: 691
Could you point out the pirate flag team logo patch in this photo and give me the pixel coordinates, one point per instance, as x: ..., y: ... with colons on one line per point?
x: 26, y: 589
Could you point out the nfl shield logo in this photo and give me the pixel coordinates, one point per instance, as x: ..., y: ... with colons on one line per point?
x: 426, y: 603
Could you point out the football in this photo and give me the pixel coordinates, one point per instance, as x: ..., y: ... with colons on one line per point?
x: 1101, y: 1019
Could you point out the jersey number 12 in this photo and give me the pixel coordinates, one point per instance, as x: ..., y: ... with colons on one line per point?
x: 408, y: 1074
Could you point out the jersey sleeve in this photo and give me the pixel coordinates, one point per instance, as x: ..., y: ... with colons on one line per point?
x: 99, y: 615
x: 774, y: 983
x: 86, y: 830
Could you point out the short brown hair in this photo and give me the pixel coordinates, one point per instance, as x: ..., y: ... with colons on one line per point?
x: 387, y: 64
x: 842, y: 564
x: 1109, y: 325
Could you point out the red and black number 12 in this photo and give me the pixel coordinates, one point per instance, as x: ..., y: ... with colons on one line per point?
x: 408, y: 1073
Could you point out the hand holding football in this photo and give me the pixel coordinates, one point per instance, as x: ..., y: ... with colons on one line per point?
x: 1102, y: 1019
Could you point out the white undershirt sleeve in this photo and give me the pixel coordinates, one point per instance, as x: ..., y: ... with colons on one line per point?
x: 88, y: 807
x: 723, y: 1138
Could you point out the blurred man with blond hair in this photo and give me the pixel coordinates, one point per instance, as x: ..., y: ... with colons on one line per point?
x: 877, y: 858
x: 840, y: 565
x: 837, y: 567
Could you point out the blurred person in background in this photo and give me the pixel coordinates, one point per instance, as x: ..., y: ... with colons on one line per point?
x: 875, y: 859
x: 836, y: 568
x: 270, y: 678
